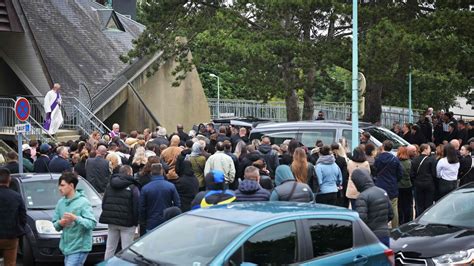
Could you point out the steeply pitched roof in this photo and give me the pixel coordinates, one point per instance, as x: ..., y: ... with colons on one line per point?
x: 74, y: 43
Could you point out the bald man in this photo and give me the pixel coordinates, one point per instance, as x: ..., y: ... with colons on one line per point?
x: 98, y: 170
x: 170, y: 156
x: 455, y: 144
x: 412, y: 152
x: 52, y: 108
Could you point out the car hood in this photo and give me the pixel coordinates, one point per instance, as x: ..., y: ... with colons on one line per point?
x: 49, y: 213
x: 115, y: 261
x: 426, y: 241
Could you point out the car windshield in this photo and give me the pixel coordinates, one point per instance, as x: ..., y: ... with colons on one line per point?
x: 44, y: 194
x: 187, y: 240
x: 382, y: 134
x: 456, y: 209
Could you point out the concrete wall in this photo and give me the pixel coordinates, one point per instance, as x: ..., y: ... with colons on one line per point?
x: 10, y: 84
x: 185, y: 104
x: 131, y: 115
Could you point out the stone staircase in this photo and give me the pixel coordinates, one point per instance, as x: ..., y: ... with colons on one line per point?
x: 64, y: 135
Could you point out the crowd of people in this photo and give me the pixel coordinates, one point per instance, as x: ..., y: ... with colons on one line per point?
x: 148, y: 177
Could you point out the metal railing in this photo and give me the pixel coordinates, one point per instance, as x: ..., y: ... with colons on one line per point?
x: 76, y: 115
x: 8, y: 121
x: 276, y: 111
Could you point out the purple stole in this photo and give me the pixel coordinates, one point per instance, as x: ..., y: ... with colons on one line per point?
x: 47, y: 122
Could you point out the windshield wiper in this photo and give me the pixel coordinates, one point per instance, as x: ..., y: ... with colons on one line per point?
x: 448, y: 225
x: 143, y: 259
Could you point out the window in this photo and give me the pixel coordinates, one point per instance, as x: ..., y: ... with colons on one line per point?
x: 347, y: 134
x: 275, y: 245
x: 330, y: 236
x: 309, y: 138
x: 279, y: 137
x: 382, y: 135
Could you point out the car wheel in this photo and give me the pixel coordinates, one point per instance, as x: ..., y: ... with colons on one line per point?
x: 28, y: 257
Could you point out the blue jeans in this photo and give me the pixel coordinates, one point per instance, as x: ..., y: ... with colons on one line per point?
x: 75, y: 259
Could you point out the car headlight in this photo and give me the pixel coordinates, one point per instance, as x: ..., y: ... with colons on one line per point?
x: 458, y: 257
x: 46, y: 227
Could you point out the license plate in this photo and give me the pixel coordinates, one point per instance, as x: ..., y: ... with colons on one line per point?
x: 98, y: 240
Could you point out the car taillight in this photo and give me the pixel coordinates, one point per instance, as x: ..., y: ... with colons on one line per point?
x: 390, y: 256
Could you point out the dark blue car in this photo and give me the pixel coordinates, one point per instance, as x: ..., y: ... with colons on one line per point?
x: 270, y: 233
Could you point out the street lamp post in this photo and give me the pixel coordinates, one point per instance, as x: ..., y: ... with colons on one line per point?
x: 410, y: 110
x: 218, y: 94
x: 355, y: 78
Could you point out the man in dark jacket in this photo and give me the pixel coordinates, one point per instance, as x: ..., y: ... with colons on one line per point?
x: 388, y: 171
x: 155, y: 197
x: 373, y: 205
x: 120, y: 210
x: 250, y: 189
x: 187, y: 185
x: 269, y: 155
x: 42, y: 161
x: 60, y: 163
x: 13, y: 219
x: 98, y: 170
x: 215, y: 194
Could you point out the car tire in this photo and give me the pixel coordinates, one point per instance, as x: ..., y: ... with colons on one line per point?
x: 28, y: 257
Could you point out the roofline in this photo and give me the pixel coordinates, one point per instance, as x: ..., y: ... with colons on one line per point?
x: 125, y: 83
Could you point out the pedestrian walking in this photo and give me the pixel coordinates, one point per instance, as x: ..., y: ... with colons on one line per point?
x: 74, y: 217
x: 387, y: 174
x: 216, y: 194
x: 120, y: 210
x: 447, y: 171
x: 98, y: 170
x: 423, y: 174
x: 250, y: 189
x: 405, y: 188
x: 373, y: 205
x: 13, y: 221
x: 155, y: 197
x: 288, y: 189
x: 329, y: 177
x: 358, y: 161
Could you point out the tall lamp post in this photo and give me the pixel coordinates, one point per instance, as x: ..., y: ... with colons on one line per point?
x: 218, y: 94
x: 410, y: 109
x: 355, y: 78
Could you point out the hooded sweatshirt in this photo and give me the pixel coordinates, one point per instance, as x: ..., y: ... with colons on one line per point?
x: 121, y: 201
x: 372, y: 204
x: 329, y: 174
x: 250, y: 190
x: 270, y: 156
x: 287, y: 189
x: 76, y: 237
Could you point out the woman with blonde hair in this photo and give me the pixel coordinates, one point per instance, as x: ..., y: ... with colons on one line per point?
x: 139, y: 160
x: 113, y: 162
x: 302, y: 170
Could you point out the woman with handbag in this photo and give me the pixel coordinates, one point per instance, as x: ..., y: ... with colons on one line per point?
x: 423, y: 174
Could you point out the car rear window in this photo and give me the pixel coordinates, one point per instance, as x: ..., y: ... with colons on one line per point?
x: 327, y: 136
x: 44, y: 194
x: 382, y: 135
x: 196, y: 240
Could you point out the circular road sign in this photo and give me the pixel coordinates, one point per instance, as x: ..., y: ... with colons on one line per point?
x: 22, y: 109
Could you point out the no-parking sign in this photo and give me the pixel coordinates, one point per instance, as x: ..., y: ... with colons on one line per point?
x: 22, y: 109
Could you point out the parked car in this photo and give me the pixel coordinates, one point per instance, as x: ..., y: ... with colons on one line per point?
x: 41, y: 242
x: 259, y: 233
x: 443, y: 234
x: 329, y: 131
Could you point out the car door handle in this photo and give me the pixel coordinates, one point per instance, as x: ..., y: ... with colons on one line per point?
x: 362, y: 259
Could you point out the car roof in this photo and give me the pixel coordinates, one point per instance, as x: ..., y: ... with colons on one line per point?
x: 251, y: 213
x: 311, y: 124
x: 28, y: 177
